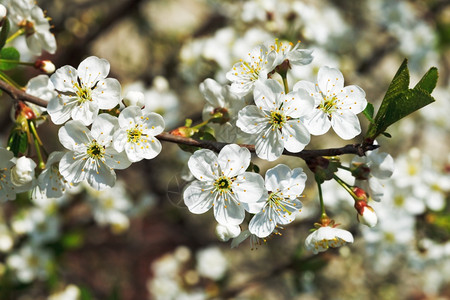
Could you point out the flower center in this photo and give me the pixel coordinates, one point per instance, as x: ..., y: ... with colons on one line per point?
x: 329, y: 105
x: 134, y: 135
x: 95, y: 150
x: 223, y: 184
x: 28, y: 26
x: 277, y: 119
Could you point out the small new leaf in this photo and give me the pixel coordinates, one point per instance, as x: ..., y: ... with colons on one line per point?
x: 10, y: 54
x: 368, y: 112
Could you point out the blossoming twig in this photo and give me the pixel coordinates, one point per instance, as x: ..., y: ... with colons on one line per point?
x: 358, y: 149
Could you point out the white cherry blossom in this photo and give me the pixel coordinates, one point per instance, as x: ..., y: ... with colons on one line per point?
x: 83, y: 91
x: 246, y: 73
x: 381, y: 166
x: 281, y: 204
x: 287, y: 51
x: 324, y: 237
x: 219, y: 99
x: 136, y: 133
x: 335, y: 105
x: 51, y: 183
x: 223, y: 184
x: 91, y: 156
x: 30, y: 17
x: 275, y: 120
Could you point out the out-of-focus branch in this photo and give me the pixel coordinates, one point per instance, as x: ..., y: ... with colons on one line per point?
x: 358, y: 149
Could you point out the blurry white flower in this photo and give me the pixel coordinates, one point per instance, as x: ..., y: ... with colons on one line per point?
x: 211, y: 263
x: 3, y: 11
x: 324, y: 237
x: 134, y: 98
x: 226, y: 232
x: 51, y: 183
x: 7, y: 191
x: 287, y: 51
x: 39, y: 225
x: 71, y: 292
x: 381, y: 167
x: 110, y: 206
x: 6, y: 238
x: 220, y: 101
x: 29, y: 263
x: 29, y: 17
x: 83, y: 91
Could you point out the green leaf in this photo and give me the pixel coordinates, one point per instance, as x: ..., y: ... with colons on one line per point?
x: 4, y: 33
x: 428, y: 81
x: 404, y: 104
x: 368, y: 112
x: 9, y: 53
x: 386, y: 134
x: 401, y: 101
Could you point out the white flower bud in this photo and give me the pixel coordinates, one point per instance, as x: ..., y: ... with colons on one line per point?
x: 3, y: 11
x: 134, y: 98
x: 160, y: 84
x: 23, y: 172
x: 45, y: 66
x: 368, y: 217
x: 226, y: 232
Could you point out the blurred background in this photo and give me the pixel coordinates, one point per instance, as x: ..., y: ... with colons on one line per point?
x: 139, y: 241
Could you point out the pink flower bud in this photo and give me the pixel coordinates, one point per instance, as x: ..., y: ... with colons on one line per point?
x: 45, y: 66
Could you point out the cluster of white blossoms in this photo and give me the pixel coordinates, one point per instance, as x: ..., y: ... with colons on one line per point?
x: 279, y: 117
x: 27, y: 17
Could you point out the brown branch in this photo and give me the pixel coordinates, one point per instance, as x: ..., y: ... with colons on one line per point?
x: 18, y: 94
x: 358, y: 149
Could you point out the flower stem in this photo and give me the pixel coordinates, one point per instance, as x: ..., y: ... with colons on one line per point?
x: 11, y: 61
x: 345, y: 186
x: 286, y: 85
x: 19, y: 32
x: 322, y: 205
x: 37, y: 144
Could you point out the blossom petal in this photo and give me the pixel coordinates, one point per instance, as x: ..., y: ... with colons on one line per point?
x: 269, y: 145
x: 317, y: 122
x: 93, y: 69
x: 85, y: 112
x: 330, y: 80
x: 346, y: 125
x: 73, y: 135
x: 212, y: 91
x: 251, y: 120
x: 263, y: 223
x: 103, y: 128
x: 198, y: 197
x: 203, y: 165
x: 249, y: 187
x: 266, y: 94
x: 227, y: 210
x: 101, y: 177
x: 296, y: 136
x: 233, y: 160
x: 116, y: 160
x: 107, y: 93
x: 64, y: 79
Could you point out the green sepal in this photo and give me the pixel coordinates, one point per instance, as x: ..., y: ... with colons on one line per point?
x: 18, y: 142
x: 4, y: 33
x: 9, y: 53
